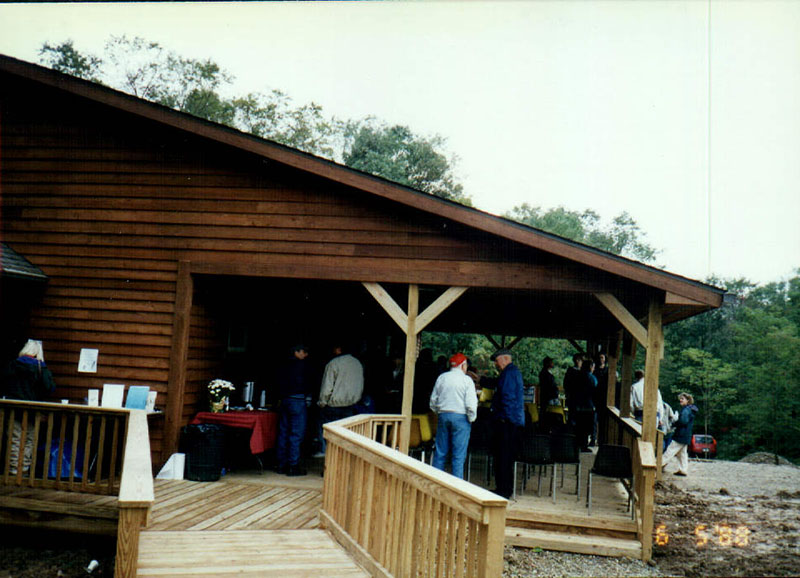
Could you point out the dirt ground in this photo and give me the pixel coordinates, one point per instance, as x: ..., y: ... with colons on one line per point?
x: 725, y: 519
x: 729, y: 519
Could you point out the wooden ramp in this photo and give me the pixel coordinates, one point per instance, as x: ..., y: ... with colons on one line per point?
x: 244, y: 553
x: 228, y: 505
x: 241, y: 528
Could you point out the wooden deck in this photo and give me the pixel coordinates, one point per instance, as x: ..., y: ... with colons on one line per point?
x: 253, y: 523
x: 244, y: 526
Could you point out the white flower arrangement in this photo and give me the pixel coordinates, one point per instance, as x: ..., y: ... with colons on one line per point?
x: 219, y: 389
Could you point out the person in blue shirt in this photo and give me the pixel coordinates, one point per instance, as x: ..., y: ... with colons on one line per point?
x: 508, y: 419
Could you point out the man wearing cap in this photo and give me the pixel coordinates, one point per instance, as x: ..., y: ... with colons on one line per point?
x: 508, y: 416
x: 455, y: 402
x: 295, y: 397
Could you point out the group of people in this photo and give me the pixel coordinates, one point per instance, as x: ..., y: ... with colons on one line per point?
x: 340, y: 395
x: 454, y: 398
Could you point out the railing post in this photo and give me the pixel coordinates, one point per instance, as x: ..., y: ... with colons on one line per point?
x: 492, y: 538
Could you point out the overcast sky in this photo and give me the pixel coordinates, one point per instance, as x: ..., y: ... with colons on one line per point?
x: 684, y: 114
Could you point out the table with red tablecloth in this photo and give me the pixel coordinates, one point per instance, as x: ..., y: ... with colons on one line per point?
x: 264, y: 425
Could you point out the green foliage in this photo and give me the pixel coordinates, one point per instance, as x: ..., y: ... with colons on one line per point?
x: 148, y: 70
x: 64, y: 58
x: 273, y: 117
x: 708, y: 376
x: 742, y: 359
x: 622, y: 237
x: 397, y: 154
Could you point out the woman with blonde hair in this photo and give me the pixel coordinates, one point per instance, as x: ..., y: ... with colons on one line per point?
x: 26, y: 378
x: 683, y: 435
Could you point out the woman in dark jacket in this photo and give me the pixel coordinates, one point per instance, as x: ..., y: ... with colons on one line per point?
x: 26, y: 378
x: 682, y: 436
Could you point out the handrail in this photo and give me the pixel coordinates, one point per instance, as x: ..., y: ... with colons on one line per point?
x: 104, y: 450
x: 136, y: 494
x: 400, y: 517
x: 628, y: 432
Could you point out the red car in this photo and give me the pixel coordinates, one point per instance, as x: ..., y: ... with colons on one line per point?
x: 703, y: 446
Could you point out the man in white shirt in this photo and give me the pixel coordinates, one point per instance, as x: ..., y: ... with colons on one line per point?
x: 637, y: 397
x: 455, y: 402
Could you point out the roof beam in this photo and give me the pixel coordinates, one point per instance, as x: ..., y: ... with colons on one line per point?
x: 624, y: 316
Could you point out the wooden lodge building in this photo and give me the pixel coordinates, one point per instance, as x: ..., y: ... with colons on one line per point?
x: 184, y: 250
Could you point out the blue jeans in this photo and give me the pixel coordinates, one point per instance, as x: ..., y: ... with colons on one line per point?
x: 292, y: 428
x: 452, y: 437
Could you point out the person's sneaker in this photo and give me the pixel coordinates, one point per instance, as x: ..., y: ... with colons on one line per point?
x: 680, y: 474
x: 296, y: 471
x: 318, y: 455
x: 280, y: 469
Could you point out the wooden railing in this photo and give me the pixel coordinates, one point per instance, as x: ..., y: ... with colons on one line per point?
x: 48, y: 447
x: 400, y: 517
x: 627, y: 431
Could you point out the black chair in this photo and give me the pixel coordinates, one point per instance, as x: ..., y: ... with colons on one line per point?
x: 534, y: 451
x: 480, y: 446
x: 564, y: 450
x: 613, y: 462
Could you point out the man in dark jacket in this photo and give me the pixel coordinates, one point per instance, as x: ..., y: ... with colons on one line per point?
x: 295, y: 397
x: 508, y: 418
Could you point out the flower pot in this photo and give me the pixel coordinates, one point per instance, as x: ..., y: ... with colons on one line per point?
x: 218, y: 406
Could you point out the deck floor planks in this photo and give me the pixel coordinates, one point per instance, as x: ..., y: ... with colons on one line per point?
x: 233, y: 510
x: 259, y: 510
x: 278, y: 553
x: 179, y: 514
x: 185, y: 505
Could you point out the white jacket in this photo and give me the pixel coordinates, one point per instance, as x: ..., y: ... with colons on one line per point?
x: 455, y: 392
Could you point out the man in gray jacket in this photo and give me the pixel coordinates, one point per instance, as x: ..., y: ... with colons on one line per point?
x: 342, y: 388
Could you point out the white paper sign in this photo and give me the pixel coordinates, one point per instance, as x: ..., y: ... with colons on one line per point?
x: 112, y: 395
x: 88, y: 361
x: 94, y: 398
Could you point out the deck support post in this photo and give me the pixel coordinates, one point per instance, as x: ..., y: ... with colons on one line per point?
x: 651, y: 366
x: 179, y: 351
x: 411, y: 323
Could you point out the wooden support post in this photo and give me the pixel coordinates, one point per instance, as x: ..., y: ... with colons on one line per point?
x: 412, y: 323
x: 652, y: 360
x: 628, y: 355
x: 181, y: 323
x: 410, y: 365
x: 612, y: 360
x: 490, y: 542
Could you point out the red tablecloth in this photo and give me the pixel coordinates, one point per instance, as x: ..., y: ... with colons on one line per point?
x: 263, y: 423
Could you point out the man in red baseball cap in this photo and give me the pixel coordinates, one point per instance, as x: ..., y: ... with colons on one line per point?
x: 456, y: 403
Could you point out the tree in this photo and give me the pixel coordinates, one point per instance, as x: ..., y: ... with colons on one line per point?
x: 272, y: 116
x: 148, y: 70
x: 622, y: 237
x: 397, y: 154
x: 64, y: 58
x: 710, y: 377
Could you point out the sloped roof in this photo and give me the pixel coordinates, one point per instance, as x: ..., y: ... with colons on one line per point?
x: 689, y: 294
x: 14, y: 265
